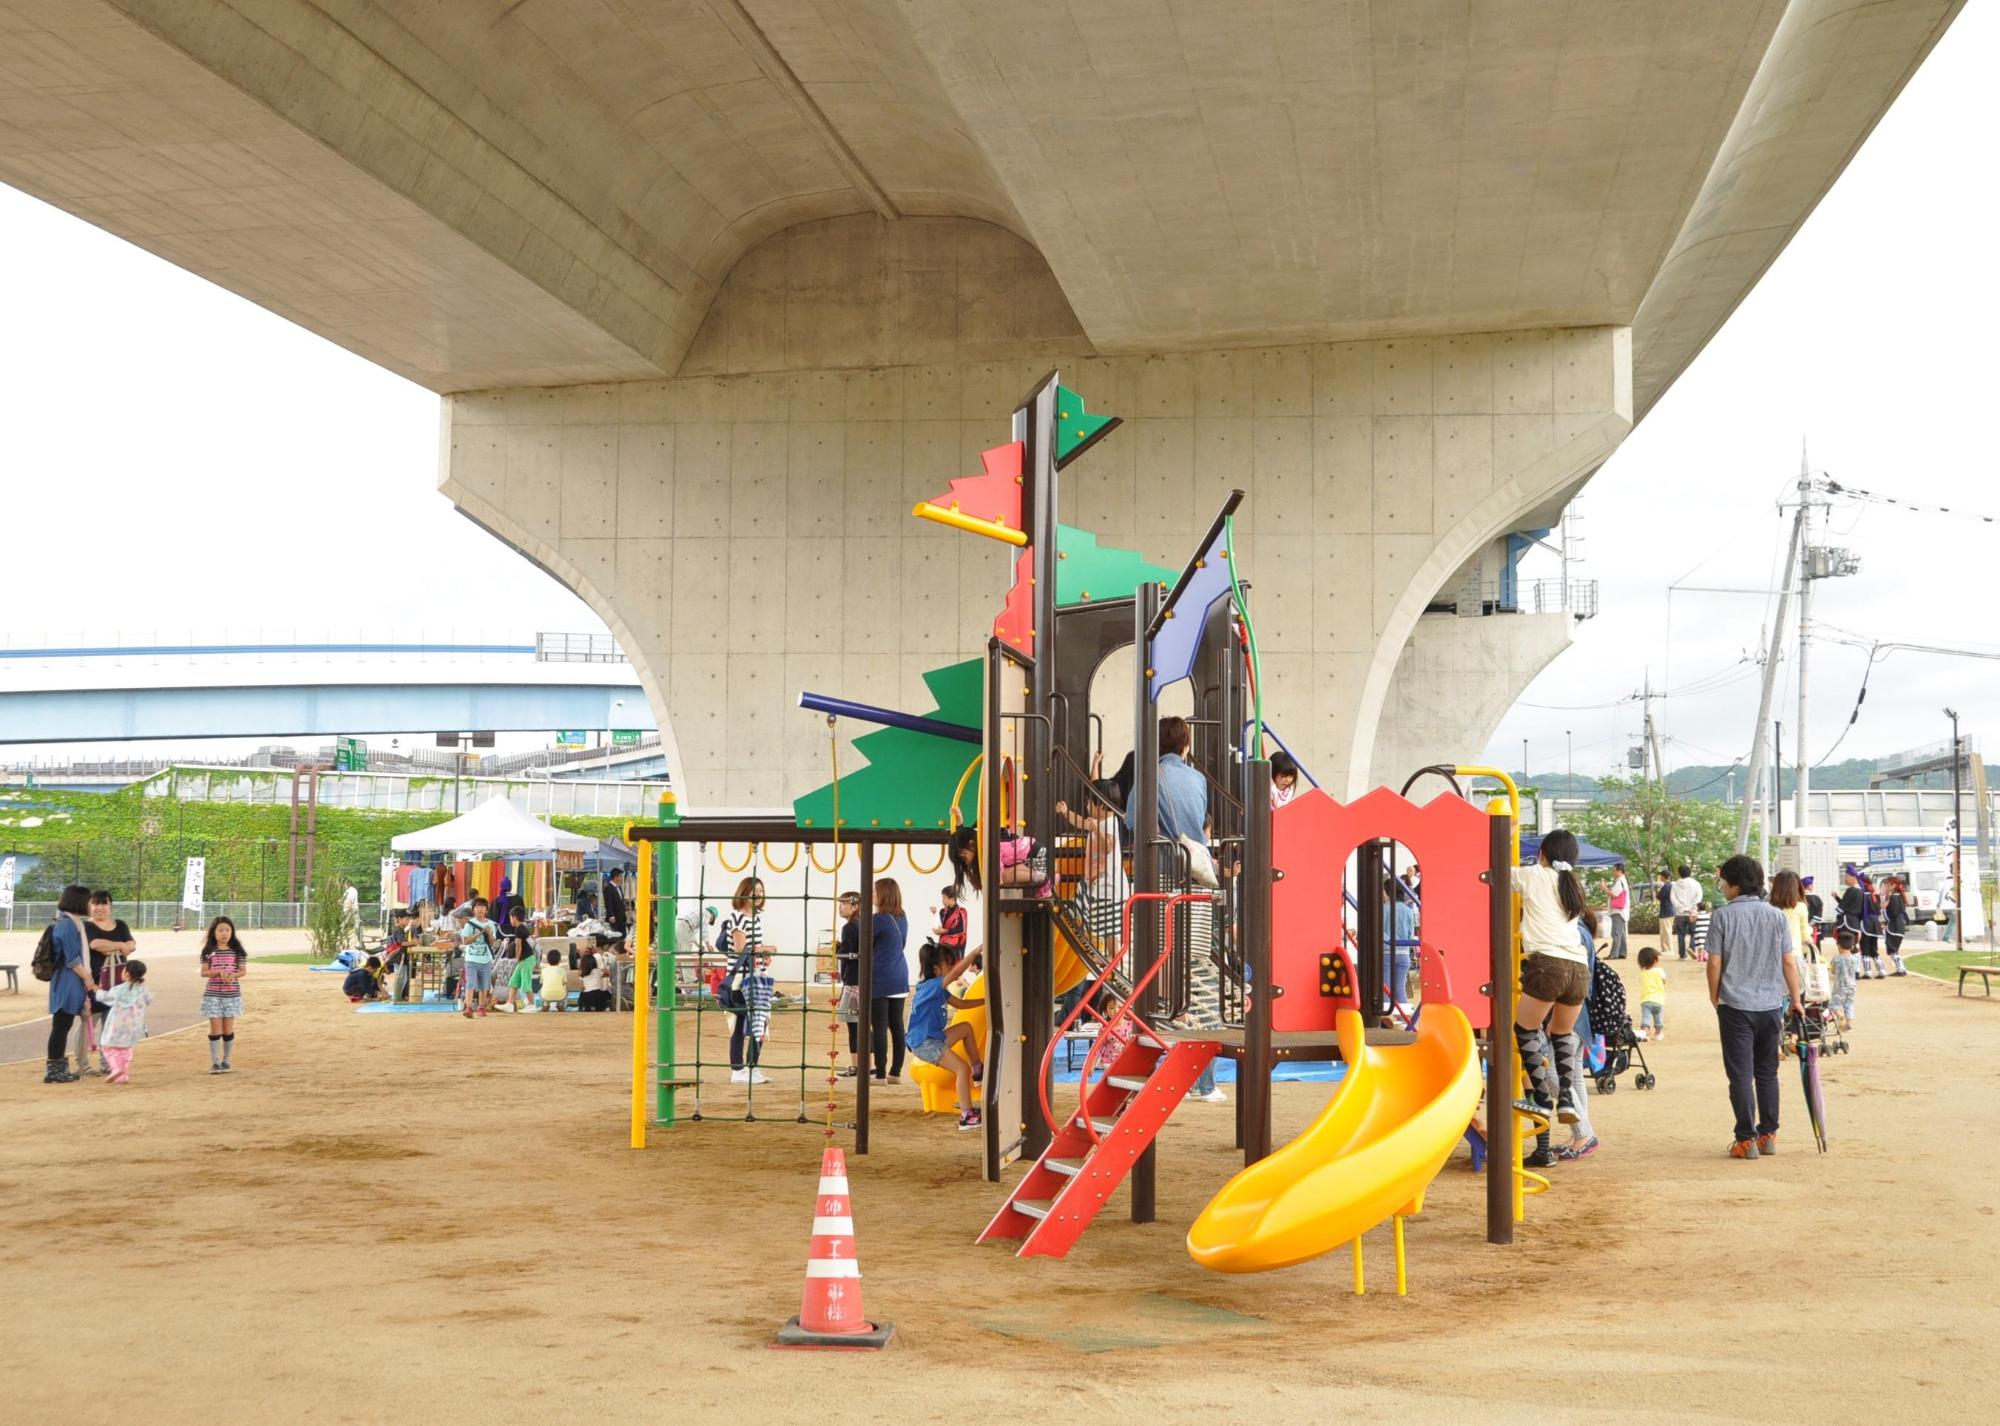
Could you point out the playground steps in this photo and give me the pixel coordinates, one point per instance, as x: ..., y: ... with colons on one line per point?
x: 1057, y: 1199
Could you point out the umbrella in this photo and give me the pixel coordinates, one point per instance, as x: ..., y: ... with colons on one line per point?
x: 1815, y: 1093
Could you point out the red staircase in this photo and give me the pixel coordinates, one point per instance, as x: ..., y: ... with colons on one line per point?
x: 1147, y: 1077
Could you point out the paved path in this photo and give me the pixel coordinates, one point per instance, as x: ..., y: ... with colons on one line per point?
x: 176, y: 1005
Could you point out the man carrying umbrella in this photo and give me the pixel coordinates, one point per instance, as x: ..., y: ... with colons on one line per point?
x: 1752, y: 976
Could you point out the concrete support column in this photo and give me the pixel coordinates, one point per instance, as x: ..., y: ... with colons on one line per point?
x: 747, y: 534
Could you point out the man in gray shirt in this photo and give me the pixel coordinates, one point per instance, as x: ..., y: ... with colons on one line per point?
x: 1752, y: 976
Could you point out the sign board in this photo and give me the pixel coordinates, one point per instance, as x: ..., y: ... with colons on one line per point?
x: 7, y: 884
x: 192, y: 884
x: 481, y: 740
x: 576, y: 739
x: 624, y: 738
x: 350, y: 755
x: 1884, y: 853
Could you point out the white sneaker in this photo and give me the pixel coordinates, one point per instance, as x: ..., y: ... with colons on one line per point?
x: 741, y: 1076
x: 759, y: 1077
x: 1214, y: 1096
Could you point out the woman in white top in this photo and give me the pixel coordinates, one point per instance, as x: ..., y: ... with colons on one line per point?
x: 1555, y: 976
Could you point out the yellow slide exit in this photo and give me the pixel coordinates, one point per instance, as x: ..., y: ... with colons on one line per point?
x: 1370, y: 1154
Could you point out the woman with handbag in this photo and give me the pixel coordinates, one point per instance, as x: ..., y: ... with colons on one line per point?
x: 741, y: 937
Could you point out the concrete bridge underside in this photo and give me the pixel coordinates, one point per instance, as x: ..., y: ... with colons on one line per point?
x: 718, y: 287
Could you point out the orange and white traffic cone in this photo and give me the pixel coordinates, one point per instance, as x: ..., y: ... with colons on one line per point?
x: 830, y: 1314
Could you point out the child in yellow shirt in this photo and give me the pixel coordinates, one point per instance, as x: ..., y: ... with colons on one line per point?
x: 1652, y: 996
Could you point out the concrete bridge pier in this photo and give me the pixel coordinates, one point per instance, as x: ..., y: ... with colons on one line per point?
x: 744, y: 528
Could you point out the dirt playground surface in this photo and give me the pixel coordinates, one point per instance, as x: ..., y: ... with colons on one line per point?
x: 397, y: 1218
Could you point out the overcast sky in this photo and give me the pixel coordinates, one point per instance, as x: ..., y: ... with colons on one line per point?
x: 182, y: 463
x: 1872, y: 338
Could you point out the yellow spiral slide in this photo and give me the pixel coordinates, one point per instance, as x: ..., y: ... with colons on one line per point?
x: 1369, y: 1156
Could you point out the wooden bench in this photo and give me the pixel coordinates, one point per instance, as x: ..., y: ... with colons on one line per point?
x: 13, y: 974
x: 1985, y: 973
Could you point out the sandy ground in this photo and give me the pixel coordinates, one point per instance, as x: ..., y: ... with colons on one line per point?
x: 412, y: 1217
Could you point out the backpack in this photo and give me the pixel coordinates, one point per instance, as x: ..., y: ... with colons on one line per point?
x: 733, y: 993
x: 48, y: 956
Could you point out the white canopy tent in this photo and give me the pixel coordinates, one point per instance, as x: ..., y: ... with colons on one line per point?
x: 495, y: 828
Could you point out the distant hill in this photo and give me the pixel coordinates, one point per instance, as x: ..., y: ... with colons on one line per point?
x: 1708, y: 782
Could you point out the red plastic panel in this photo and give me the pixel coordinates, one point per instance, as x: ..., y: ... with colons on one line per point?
x: 1312, y: 837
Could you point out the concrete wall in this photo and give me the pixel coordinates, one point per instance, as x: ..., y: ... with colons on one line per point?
x: 748, y: 535
x: 1453, y: 684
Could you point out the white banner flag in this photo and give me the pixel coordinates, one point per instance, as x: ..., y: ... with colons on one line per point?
x: 191, y: 885
x: 388, y: 885
x: 7, y: 884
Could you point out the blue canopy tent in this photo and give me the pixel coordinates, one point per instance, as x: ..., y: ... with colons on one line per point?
x: 1587, y: 855
x: 611, y: 852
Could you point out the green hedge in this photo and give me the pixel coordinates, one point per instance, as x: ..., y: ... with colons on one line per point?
x: 137, y: 846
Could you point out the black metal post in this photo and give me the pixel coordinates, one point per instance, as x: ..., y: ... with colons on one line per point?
x: 864, y: 1024
x: 1145, y: 808
x: 1369, y: 918
x: 1035, y: 427
x: 1503, y: 1131
x: 1253, y: 1077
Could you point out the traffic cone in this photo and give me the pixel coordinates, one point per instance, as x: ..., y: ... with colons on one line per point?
x: 830, y: 1314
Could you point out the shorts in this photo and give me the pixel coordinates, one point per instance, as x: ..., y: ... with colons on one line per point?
x: 478, y: 976
x: 930, y: 1051
x: 1551, y: 978
x: 1652, y: 1015
x: 221, y: 1007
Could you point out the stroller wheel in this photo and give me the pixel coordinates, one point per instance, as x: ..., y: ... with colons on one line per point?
x: 1644, y: 1081
x: 1607, y: 1084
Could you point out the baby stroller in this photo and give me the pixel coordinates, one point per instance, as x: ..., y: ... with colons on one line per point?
x: 1621, y: 1048
x: 1816, y: 1026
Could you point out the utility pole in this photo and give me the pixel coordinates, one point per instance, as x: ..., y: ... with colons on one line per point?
x: 1569, y: 774
x: 1957, y: 833
x: 1816, y: 562
x: 1759, y: 763
x: 1801, y: 775
x: 1653, y: 735
x: 1524, y: 759
x: 1777, y: 780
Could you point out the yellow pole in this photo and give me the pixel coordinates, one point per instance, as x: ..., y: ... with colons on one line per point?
x: 971, y: 524
x: 642, y: 986
x: 1402, y: 1263
x: 1360, y: 1286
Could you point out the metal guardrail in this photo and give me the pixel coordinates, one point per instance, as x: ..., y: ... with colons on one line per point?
x: 577, y: 648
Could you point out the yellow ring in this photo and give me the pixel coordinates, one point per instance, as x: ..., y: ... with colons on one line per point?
x: 839, y: 858
x: 957, y: 818
x: 773, y: 867
x: 910, y: 855
x: 722, y: 859
x: 888, y: 859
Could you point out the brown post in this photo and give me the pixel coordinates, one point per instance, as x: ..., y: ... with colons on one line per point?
x: 864, y: 1023
x: 1146, y: 947
x: 1503, y: 1131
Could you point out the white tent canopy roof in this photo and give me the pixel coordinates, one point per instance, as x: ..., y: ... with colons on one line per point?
x: 495, y: 828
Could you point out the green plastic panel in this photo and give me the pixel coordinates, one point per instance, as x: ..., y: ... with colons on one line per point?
x: 1075, y: 426
x: 909, y: 777
x: 1086, y: 570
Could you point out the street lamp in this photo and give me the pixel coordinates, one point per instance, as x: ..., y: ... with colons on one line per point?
x: 1524, y: 759
x: 610, y: 727
x: 1569, y: 777
x: 1957, y: 835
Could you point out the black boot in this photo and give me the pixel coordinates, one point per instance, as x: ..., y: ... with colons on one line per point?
x: 59, y: 1072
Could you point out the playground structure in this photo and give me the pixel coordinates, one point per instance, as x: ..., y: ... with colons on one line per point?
x: 1170, y: 963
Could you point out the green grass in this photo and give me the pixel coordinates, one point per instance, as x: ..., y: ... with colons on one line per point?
x: 292, y: 958
x: 1944, y: 964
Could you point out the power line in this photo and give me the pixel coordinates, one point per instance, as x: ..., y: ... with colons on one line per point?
x: 1915, y: 507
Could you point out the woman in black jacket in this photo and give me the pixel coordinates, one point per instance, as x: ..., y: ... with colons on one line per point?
x: 1895, y: 921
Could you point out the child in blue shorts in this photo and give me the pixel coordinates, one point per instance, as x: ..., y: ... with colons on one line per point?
x: 933, y: 1041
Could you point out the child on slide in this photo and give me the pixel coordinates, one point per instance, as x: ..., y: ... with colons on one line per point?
x: 933, y: 1041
